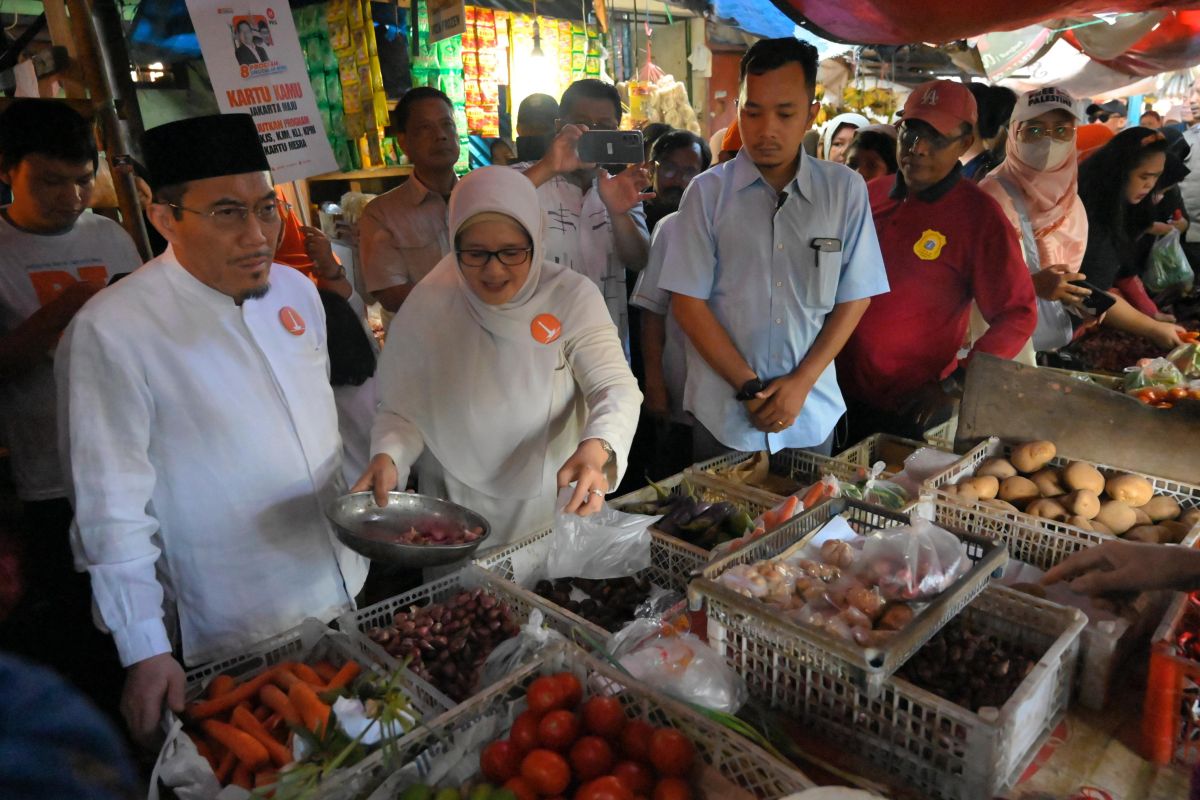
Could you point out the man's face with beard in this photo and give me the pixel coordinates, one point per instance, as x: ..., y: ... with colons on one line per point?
x: 673, y: 172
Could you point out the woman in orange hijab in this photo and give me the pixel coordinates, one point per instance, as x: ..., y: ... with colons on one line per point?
x: 1090, y: 138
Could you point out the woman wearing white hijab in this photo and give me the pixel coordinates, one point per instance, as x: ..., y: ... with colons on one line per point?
x: 504, y: 378
x: 838, y: 134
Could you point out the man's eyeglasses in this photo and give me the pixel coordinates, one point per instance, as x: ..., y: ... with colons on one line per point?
x: 509, y: 256
x: 1033, y: 133
x: 671, y: 172
x: 935, y: 141
x: 233, y: 216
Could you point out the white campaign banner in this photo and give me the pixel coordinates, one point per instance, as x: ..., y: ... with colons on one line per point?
x: 256, y: 66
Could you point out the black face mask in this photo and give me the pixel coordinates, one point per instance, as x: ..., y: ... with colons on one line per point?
x: 531, y: 148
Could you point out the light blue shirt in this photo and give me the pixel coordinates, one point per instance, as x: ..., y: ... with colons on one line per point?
x: 649, y: 296
x: 755, y: 263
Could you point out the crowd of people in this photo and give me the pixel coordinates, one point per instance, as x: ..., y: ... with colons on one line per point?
x: 175, y: 436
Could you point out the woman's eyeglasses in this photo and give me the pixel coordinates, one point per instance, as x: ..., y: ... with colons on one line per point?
x: 509, y: 256
x: 1035, y: 133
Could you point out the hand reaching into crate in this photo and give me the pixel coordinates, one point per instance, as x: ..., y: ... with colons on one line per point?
x: 1128, y: 567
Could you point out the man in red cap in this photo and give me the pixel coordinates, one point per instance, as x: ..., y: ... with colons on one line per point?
x: 946, y: 245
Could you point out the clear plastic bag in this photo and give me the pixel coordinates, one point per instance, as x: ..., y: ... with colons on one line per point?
x: 679, y: 664
x: 1167, y: 264
x: 914, y: 562
x: 1186, y: 359
x: 875, y: 490
x: 607, y: 544
x: 513, y: 653
x: 1152, y: 373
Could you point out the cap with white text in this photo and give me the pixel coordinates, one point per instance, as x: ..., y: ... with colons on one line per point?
x: 1043, y: 101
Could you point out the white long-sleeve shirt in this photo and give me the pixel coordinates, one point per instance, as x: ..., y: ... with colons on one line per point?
x: 595, y: 396
x: 202, y: 441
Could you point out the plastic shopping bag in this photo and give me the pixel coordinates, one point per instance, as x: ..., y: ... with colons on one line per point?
x: 607, y: 544
x: 679, y: 664
x: 514, y: 653
x: 1167, y: 264
x: 1152, y: 373
x: 1186, y: 359
x: 914, y: 562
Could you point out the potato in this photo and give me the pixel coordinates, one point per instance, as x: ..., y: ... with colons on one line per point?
x: 998, y: 468
x: 985, y: 486
x: 964, y: 493
x: 1047, y: 509
x: 1100, y: 527
x: 1082, y: 522
x: 1131, y: 490
x: 1152, y: 534
x: 1049, y: 483
x: 1191, y: 517
x: 1083, y: 503
x: 1162, y: 507
x: 1078, y: 475
x: 1001, y: 505
x: 1118, y: 517
x: 1032, y: 456
x: 1018, y: 490
x: 1178, y: 529
x: 1142, y: 518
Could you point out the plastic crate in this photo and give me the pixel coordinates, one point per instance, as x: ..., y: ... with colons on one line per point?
x: 313, y: 640
x: 942, y: 436
x: 800, y: 466
x: 519, y: 566
x: 727, y: 765
x: 1171, y: 719
x: 1186, y: 494
x: 867, y: 668
x: 753, y: 501
x: 1114, y: 382
x: 936, y: 749
x: 891, y: 450
x: 1105, y: 643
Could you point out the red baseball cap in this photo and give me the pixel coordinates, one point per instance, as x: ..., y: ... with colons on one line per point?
x: 945, y: 105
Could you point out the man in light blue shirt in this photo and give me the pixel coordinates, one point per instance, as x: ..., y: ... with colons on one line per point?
x: 771, y: 265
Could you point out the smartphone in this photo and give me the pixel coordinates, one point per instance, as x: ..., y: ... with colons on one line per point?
x: 611, y: 147
x: 1099, y: 301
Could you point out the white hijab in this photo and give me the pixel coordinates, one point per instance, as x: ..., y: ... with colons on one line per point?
x: 831, y: 128
x: 472, y: 378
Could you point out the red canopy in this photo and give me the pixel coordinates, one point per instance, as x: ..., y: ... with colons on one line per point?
x: 940, y: 21
x: 1173, y: 45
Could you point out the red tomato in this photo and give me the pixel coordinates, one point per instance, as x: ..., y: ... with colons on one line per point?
x: 1151, y: 396
x: 558, y: 730
x: 500, y: 761
x: 606, y: 788
x: 570, y: 689
x: 670, y: 752
x: 604, y: 716
x: 672, y: 789
x: 543, y: 695
x: 1178, y: 393
x: 521, y: 788
x: 524, y: 734
x: 591, y: 757
x: 546, y: 771
x: 635, y: 740
x: 638, y: 778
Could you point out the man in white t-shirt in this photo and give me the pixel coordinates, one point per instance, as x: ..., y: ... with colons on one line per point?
x: 595, y: 223
x: 53, y: 257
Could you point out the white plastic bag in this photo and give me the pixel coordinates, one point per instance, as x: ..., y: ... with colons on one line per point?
x: 915, y: 562
x: 680, y: 665
x: 513, y: 653
x: 607, y: 544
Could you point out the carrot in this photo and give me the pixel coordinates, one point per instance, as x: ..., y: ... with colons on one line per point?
x: 248, y: 751
x: 280, y: 755
x: 787, y: 511
x: 278, y: 701
x: 347, y: 673
x: 285, y: 679
x: 226, y: 767
x: 243, y: 691
x: 272, y: 722
x: 220, y: 685
x: 305, y: 673
x: 265, y: 777
x: 313, y: 713
x: 325, y: 670
x: 262, y: 713
x: 243, y: 776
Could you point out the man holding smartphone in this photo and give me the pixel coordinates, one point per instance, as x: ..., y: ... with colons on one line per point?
x: 772, y: 261
x: 595, y: 223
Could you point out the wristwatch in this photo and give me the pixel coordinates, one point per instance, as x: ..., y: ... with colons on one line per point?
x: 750, y: 388
x: 341, y: 273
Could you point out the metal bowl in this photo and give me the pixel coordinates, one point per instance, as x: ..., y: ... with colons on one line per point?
x: 368, y: 529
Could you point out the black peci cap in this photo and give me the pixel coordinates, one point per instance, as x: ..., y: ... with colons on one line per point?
x: 202, y: 147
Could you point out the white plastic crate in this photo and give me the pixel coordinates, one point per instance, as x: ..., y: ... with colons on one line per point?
x: 519, y: 566
x: 1105, y: 643
x: 728, y: 766
x: 867, y: 668
x: 893, y: 450
x: 1186, y: 494
x: 942, y: 436
x: 934, y: 748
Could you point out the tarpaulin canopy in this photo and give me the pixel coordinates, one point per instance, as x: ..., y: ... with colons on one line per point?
x: 1174, y: 44
x: 906, y: 21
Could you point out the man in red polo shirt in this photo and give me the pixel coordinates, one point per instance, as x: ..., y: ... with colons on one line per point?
x: 946, y: 245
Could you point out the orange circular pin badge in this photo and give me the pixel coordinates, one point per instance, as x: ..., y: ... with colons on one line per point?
x: 291, y: 320
x: 545, y: 328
